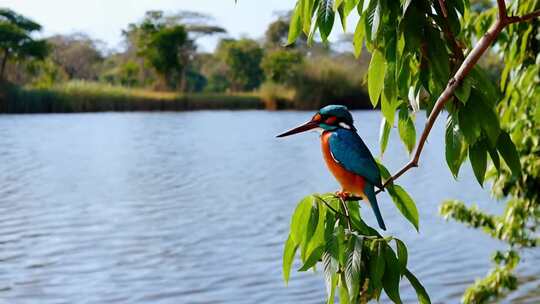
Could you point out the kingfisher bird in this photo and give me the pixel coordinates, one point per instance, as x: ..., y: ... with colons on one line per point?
x: 346, y: 155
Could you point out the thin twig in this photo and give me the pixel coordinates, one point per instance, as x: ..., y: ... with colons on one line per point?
x: 330, y: 207
x: 466, y: 66
x: 346, y: 210
x: 527, y: 17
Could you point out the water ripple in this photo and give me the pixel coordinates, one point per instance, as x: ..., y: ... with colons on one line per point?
x: 194, y: 208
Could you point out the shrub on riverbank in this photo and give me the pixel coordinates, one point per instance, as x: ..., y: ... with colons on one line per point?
x: 95, y: 97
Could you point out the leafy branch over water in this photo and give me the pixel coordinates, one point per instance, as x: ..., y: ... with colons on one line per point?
x: 418, y: 56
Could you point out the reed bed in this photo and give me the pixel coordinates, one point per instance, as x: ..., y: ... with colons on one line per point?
x: 96, y: 97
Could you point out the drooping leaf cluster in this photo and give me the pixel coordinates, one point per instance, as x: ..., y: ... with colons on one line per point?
x: 358, y: 263
x: 416, y: 46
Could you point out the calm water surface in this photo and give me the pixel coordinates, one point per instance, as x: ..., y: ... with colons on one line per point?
x: 194, y: 208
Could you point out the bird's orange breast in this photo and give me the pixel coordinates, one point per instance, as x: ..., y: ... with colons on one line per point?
x: 350, y: 182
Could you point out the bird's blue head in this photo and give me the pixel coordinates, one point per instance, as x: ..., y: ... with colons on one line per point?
x: 329, y: 118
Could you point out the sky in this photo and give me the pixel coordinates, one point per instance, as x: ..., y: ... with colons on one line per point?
x: 105, y: 19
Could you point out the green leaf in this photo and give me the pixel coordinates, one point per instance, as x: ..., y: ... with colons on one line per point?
x: 288, y: 257
x: 509, y: 153
x: 385, y: 174
x: 376, y: 20
x: 295, y: 26
x: 391, y: 276
x: 300, y: 217
x: 342, y: 17
x: 377, y: 265
x: 402, y: 255
x: 463, y: 91
x: 343, y: 292
x: 376, y: 73
x: 313, y: 258
x: 350, y: 5
x: 331, y: 284
x: 384, y: 134
x: 438, y: 56
x: 469, y: 122
x: 353, y: 268
x: 421, y: 293
x: 308, y: 9
x: 485, y: 86
x: 405, y: 204
x: 325, y: 19
x: 478, y: 158
x: 406, y: 129
x: 318, y: 238
x: 494, y: 155
x: 358, y: 39
x: 455, y: 148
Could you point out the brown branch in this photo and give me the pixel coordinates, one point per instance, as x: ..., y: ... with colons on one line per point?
x: 527, y: 17
x: 443, y: 8
x: 466, y: 66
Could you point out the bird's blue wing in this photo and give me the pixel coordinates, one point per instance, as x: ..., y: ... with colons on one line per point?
x: 352, y: 153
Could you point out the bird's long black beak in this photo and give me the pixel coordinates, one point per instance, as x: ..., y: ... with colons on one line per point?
x: 305, y: 127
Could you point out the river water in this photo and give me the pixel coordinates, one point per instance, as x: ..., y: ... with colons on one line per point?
x: 194, y: 208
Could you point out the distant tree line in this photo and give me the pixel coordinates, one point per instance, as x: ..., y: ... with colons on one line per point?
x: 161, y: 54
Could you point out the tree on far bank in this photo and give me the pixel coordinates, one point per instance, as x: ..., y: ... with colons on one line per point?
x: 16, y: 42
x: 243, y: 59
x: 166, y: 43
x: 78, y: 55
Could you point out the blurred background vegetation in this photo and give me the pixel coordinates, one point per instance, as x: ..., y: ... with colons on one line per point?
x: 161, y: 62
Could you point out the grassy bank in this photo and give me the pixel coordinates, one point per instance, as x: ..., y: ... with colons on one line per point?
x: 94, y: 97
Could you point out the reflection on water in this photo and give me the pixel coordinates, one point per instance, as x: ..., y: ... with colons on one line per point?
x: 194, y: 208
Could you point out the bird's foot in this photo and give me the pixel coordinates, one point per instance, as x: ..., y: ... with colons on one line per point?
x: 343, y: 195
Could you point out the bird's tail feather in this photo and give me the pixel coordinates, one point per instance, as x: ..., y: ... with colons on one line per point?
x: 369, y: 191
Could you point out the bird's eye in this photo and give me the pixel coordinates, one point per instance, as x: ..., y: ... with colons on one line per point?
x: 330, y: 120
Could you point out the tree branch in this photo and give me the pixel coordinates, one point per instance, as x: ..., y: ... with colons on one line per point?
x: 527, y: 17
x: 470, y: 61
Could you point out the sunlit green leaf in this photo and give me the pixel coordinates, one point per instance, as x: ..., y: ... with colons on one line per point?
x: 300, y: 217
x: 358, y: 38
x: 308, y: 9
x: 376, y: 73
x: 288, y: 257
x: 295, y: 26
x: 384, y: 134
x: 343, y: 292
x: 406, y: 129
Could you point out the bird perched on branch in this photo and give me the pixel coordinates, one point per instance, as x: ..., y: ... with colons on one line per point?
x: 346, y: 155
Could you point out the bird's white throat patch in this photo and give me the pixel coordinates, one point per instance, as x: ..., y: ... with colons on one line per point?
x: 344, y: 125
